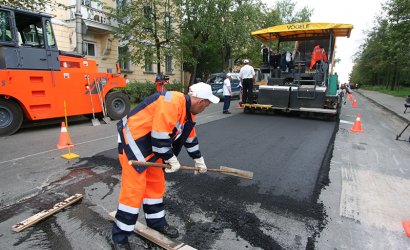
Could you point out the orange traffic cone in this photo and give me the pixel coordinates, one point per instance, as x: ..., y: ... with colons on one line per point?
x: 350, y: 97
x: 354, y: 104
x: 357, y: 126
x: 65, y: 141
x: 406, y: 227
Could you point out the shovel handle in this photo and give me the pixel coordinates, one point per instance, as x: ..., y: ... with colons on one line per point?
x: 158, y: 165
x: 161, y: 165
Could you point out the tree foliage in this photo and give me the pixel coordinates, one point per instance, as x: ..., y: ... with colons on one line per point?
x: 383, y: 57
x: 216, y: 33
x: 26, y: 4
x: 149, y: 29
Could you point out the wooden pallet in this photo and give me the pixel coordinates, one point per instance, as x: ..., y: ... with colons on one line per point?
x: 45, y: 213
x: 156, y: 237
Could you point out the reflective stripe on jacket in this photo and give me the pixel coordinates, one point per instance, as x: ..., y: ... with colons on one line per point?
x: 150, y: 130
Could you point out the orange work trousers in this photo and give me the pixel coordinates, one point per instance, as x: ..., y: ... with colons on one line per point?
x: 137, y: 186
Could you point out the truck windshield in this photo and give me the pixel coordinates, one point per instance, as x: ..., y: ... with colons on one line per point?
x: 31, y: 30
x: 5, y: 31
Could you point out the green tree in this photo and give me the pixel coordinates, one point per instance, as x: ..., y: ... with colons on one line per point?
x: 221, y: 29
x: 149, y: 29
x: 382, y: 59
x: 26, y: 4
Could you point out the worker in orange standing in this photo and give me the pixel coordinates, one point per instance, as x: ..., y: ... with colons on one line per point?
x: 155, y: 131
x: 318, y: 56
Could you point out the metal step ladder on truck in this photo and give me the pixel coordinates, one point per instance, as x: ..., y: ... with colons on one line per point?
x: 295, y: 81
x: 36, y: 78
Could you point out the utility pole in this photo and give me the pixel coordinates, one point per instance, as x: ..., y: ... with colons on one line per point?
x: 78, y: 28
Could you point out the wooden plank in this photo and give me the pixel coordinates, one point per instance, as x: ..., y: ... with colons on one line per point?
x: 45, y: 213
x: 156, y: 237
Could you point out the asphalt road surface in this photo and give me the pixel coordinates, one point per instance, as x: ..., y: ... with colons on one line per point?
x: 278, y: 209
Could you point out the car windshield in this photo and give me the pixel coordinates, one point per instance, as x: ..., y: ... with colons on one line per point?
x: 219, y: 78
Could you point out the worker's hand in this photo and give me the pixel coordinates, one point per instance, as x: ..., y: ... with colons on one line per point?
x: 174, y: 163
x: 200, y: 163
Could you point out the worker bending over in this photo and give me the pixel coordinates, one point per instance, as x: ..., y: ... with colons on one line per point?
x: 155, y: 131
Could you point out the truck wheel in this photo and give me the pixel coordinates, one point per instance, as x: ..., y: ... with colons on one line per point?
x: 11, y: 117
x: 118, y: 105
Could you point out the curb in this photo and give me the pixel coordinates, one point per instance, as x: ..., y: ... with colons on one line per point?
x: 407, y: 120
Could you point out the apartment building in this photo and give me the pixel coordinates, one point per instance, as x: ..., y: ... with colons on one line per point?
x: 99, y: 42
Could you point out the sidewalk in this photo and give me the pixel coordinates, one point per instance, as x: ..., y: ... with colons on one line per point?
x: 391, y: 103
x: 369, y: 179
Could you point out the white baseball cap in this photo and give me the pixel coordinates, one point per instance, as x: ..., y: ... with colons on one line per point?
x: 203, y: 91
x: 245, y: 61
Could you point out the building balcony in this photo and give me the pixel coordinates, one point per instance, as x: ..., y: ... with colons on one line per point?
x: 95, y: 20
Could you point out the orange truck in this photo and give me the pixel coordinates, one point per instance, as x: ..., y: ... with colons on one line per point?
x: 36, y: 78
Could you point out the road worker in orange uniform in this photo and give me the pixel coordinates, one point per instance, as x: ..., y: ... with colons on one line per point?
x: 155, y: 131
x: 318, y: 55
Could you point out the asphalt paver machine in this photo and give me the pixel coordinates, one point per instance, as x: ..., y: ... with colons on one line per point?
x: 295, y: 81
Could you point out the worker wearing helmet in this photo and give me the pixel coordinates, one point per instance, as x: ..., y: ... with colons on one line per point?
x: 155, y: 131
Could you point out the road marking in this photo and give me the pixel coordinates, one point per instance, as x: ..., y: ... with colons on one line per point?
x: 347, y: 122
x: 85, y: 142
x: 52, y: 150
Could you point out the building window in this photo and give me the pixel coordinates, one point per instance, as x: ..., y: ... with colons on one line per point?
x: 148, y: 62
x: 86, y: 3
x: 90, y: 49
x: 123, y: 58
x: 147, y: 26
x: 167, y: 25
x: 168, y: 64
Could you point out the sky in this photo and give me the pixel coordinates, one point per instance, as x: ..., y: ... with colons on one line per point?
x: 360, y: 13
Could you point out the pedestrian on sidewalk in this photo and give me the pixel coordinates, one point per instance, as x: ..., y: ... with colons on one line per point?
x: 155, y: 131
x: 247, y: 75
x: 227, y: 92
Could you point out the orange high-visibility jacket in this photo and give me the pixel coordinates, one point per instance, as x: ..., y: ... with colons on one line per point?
x: 157, y: 128
x: 318, y: 54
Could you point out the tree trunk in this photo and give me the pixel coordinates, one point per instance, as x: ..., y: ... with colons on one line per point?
x: 193, y: 74
x: 397, y: 83
x: 226, y: 55
x: 393, y: 84
x: 158, y: 47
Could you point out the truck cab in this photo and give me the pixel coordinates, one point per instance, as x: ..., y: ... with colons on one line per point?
x: 36, y: 78
x: 27, y: 41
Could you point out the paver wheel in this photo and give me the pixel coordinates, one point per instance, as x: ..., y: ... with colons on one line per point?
x: 11, y: 117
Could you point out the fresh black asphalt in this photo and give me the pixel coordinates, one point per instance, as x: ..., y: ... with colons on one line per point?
x: 288, y: 155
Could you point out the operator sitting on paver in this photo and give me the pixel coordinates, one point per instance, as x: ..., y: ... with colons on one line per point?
x: 155, y: 131
x: 318, y: 56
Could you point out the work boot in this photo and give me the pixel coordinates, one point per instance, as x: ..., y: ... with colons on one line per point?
x: 122, y: 246
x: 169, y: 231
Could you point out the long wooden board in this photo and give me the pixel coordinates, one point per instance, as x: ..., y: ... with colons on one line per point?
x: 46, y: 213
x: 156, y: 237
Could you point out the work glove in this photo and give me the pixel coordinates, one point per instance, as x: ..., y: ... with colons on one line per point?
x: 174, y: 163
x: 200, y: 163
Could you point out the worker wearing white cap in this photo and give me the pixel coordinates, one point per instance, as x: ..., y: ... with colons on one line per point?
x: 155, y: 131
x: 247, y: 75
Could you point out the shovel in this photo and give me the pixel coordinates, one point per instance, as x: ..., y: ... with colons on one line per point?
x: 105, y: 118
x: 222, y: 170
x: 94, y: 121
